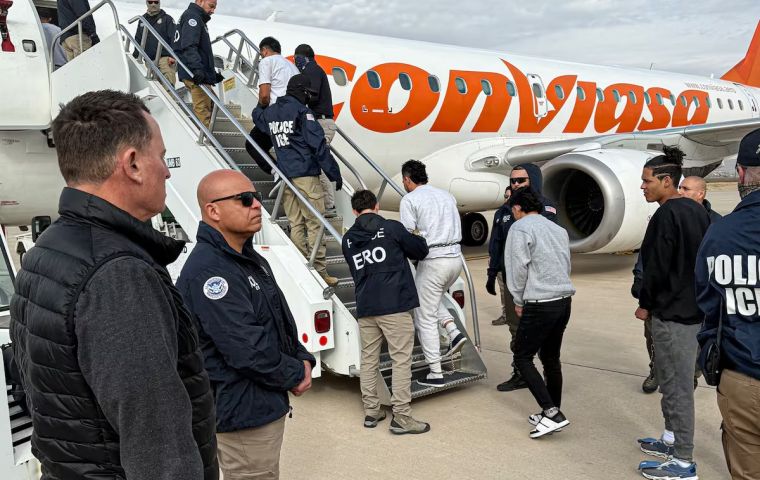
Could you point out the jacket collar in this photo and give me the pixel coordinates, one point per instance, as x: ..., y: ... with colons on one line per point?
x: 751, y: 200
x: 86, y: 208
x: 212, y: 236
x: 204, y: 16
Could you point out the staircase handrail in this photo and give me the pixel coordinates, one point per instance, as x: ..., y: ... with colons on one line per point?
x: 244, y: 40
x: 78, y: 25
x: 218, y: 105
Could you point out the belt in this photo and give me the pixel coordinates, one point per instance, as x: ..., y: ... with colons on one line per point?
x: 439, y: 245
x: 548, y: 300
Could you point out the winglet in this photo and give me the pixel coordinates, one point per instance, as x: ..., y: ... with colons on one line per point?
x: 747, y: 71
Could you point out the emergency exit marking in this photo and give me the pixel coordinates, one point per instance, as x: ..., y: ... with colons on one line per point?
x: 229, y: 84
x: 173, y: 162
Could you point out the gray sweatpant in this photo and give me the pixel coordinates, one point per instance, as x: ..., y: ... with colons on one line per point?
x: 675, y: 347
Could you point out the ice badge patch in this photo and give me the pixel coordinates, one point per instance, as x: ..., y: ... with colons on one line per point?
x: 215, y: 288
x: 192, y: 22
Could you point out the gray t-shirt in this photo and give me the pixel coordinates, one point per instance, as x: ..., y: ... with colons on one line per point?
x: 59, y: 58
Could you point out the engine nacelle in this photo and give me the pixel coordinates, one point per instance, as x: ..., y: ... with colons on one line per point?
x: 600, y: 201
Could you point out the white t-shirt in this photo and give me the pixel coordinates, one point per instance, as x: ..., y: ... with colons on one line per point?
x: 433, y: 212
x: 276, y: 70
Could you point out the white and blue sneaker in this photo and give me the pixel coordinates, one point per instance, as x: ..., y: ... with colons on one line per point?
x: 670, y: 470
x: 656, y: 447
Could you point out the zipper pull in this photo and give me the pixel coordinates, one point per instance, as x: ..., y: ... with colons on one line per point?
x: 290, y: 411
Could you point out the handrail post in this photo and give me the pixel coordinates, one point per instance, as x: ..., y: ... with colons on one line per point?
x: 79, y: 29
x: 277, y: 201
x: 381, y: 191
x: 317, y: 244
x: 470, y: 287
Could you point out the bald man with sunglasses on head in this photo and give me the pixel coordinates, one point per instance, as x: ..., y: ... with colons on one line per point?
x: 246, y: 330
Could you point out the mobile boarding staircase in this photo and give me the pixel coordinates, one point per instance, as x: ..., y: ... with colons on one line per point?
x: 324, y: 315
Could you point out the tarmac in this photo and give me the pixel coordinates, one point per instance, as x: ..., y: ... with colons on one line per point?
x: 478, y: 432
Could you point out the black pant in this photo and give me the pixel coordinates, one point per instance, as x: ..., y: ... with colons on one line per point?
x: 540, y: 331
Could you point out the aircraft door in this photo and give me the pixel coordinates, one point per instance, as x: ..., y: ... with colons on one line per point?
x: 751, y: 100
x: 540, y: 107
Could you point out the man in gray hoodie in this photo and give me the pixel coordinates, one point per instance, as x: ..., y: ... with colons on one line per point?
x: 537, y: 266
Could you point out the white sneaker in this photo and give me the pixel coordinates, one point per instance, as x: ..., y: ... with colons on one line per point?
x: 548, y: 425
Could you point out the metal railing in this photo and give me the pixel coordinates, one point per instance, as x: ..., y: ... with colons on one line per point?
x: 78, y: 25
x: 221, y: 109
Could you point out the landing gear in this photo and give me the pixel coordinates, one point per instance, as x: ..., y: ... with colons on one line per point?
x: 474, y: 229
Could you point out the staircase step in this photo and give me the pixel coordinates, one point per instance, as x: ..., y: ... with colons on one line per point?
x: 351, y: 307
x: 345, y: 283
x: 452, y: 379
x: 418, y: 360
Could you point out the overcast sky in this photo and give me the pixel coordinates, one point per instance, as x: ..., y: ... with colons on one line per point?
x: 692, y: 36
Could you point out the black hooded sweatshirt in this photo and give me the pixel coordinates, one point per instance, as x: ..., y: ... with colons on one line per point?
x: 377, y: 250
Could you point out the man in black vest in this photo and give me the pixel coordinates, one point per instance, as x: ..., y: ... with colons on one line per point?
x: 108, y: 355
x: 249, y: 338
x: 164, y: 25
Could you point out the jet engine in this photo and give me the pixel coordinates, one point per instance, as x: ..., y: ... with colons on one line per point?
x: 600, y: 201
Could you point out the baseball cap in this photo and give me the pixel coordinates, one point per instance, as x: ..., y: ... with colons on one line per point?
x: 749, y: 150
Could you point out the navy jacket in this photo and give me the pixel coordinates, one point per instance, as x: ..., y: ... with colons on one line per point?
x: 163, y: 23
x: 246, y: 330
x: 502, y: 221
x: 321, y: 103
x: 192, y: 45
x: 298, y: 139
x: 377, y: 250
x: 69, y: 11
x: 727, y: 285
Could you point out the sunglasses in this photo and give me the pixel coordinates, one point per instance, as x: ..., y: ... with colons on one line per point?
x: 518, y: 180
x: 246, y: 198
x: 152, y: 2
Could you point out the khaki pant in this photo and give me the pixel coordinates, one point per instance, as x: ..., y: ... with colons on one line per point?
x: 398, y: 330
x: 71, y: 46
x: 251, y: 453
x: 739, y: 403
x: 169, y: 71
x: 508, y: 310
x: 202, y: 104
x: 304, y: 226
x: 328, y: 125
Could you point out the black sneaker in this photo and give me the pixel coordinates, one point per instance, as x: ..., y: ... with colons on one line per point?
x: 456, y: 344
x: 515, y: 383
x: 371, y: 422
x: 650, y: 383
x: 432, y: 382
x: 548, y: 425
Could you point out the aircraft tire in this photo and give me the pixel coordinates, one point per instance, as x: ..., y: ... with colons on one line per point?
x: 474, y: 229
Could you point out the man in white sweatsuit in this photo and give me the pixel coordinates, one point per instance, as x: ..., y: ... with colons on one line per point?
x: 432, y: 213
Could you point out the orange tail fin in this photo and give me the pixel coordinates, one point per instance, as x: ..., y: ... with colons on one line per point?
x: 747, y: 71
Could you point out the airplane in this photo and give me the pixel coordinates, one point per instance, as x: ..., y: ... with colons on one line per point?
x: 470, y: 115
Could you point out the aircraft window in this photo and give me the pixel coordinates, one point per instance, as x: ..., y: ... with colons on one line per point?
x: 373, y: 78
x: 730, y: 104
x: 673, y: 99
x: 461, y: 85
x: 632, y: 97
x: 741, y: 105
x: 559, y: 91
x: 580, y: 93
x: 339, y: 75
x: 696, y: 101
x: 616, y: 95
x: 435, y: 85
x: 720, y: 104
x: 709, y: 103
x: 683, y: 101
x: 511, y: 89
x: 647, y: 98
x: 538, y: 91
x: 599, y: 94
x: 405, y: 81
x: 486, y: 87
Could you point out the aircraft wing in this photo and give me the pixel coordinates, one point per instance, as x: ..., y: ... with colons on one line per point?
x: 703, y: 144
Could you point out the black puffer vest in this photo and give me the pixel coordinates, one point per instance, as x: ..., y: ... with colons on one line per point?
x: 72, y: 438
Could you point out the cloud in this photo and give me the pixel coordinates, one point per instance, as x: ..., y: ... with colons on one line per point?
x: 699, y: 37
